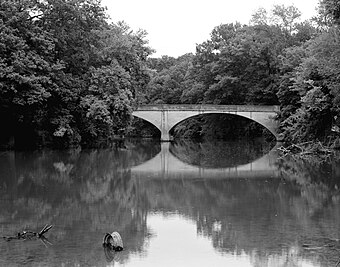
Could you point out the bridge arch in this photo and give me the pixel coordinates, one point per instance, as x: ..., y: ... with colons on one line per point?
x: 147, y: 122
x: 261, y: 122
x: 165, y: 117
x: 146, y: 117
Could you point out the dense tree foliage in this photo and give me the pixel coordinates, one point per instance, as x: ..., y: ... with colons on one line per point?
x: 309, y: 89
x: 239, y: 64
x: 67, y: 76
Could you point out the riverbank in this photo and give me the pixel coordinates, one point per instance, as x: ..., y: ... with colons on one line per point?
x: 311, y: 148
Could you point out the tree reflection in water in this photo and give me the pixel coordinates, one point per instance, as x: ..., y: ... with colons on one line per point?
x: 87, y: 193
x: 83, y: 193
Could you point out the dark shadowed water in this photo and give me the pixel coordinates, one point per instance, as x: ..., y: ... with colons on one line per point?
x: 180, y: 204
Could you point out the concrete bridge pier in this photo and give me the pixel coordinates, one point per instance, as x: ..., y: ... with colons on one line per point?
x: 164, y: 126
x: 165, y: 136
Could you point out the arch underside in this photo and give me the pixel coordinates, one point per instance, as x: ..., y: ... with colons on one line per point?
x: 150, y: 120
x: 266, y: 122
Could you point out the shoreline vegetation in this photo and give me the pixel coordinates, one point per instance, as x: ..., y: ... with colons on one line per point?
x: 308, y: 149
x: 69, y: 77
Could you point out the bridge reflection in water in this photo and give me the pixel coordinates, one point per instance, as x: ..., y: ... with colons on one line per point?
x: 166, y: 166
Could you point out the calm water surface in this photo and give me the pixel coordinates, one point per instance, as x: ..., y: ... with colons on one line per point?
x: 180, y: 204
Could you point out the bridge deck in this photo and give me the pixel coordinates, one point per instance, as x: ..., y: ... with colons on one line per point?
x: 209, y: 107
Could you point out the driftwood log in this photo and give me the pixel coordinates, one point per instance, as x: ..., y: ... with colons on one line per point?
x: 113, y: 241
x: 29, y: 234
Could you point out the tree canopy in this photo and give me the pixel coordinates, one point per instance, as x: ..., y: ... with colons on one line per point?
x: 69, y: 77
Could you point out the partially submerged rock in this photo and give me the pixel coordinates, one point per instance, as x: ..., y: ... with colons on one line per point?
x: 113, y: 241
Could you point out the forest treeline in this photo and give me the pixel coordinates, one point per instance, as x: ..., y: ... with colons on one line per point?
x: 68, y: 76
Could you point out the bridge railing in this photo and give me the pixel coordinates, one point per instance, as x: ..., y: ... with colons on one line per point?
x: 209, y: 107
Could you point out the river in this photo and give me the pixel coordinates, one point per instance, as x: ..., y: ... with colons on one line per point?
x: 175, y: 204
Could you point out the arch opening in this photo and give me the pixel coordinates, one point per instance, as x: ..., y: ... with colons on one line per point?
x: 222, y: 126
x: 141, y: 128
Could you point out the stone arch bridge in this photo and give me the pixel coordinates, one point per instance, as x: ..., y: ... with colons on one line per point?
x: 165, y: 117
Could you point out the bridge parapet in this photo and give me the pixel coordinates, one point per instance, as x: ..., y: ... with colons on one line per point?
x: 209, y: 107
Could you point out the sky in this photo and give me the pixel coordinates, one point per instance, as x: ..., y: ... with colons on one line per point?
x: 174, y: 27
